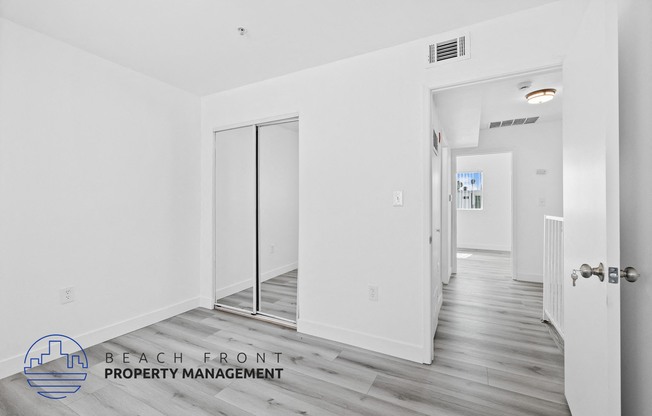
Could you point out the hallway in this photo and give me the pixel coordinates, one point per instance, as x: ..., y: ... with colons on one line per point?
x: 491, y: 324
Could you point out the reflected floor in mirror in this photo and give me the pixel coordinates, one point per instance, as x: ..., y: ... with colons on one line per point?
x: 278, y: 296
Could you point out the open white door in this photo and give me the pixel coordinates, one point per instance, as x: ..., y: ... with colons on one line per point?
x: 591, y: 213
x: 435, y: 243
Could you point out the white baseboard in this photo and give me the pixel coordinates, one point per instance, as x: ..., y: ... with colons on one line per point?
x: 13, y: 365
x: 529, y: 277
x: 493, y: 247
x: 206, y: 303
x: 279, y: 271
x: 411, y: 352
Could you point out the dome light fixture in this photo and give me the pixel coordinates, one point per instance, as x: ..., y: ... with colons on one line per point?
x: 541, y: 96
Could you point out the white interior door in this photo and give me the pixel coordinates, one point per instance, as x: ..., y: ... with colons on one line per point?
x: 435, y: 247
x: 445, y: 215
x: 591, y: 213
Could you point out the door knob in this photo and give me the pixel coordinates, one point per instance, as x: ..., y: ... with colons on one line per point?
x: 630, y: 274
x: 587, y: 271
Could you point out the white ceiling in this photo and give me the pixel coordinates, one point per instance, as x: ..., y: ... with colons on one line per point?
x: 464, y: 111
x: 194, y: 44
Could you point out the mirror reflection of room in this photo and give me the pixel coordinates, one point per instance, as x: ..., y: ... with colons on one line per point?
x: 278, y: 213
x: 235, y: 217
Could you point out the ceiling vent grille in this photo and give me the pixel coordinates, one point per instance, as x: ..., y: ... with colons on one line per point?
x: 449, y: 50
x: 513, y: 122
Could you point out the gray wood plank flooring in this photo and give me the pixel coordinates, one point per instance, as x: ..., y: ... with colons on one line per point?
x: 278, y: 297
x: 492, y: 357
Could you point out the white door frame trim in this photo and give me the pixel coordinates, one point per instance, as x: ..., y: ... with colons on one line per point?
x: 262, y: 120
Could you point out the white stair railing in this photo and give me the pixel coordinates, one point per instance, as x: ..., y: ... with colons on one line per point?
x: 553, y: 270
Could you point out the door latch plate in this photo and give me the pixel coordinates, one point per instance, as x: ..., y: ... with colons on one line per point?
x: 614, y: 274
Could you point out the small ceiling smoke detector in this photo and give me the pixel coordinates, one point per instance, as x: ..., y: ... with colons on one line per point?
x: 524, y: 85
x: 242, y: 31
x: 541, y: 96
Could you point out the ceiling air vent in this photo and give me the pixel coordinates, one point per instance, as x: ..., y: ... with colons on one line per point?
x: 449, y: 50
x: 531, y: 120
x: 513, y: 122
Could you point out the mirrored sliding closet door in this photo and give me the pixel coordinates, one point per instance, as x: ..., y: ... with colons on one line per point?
x: 257, y: 220
x: 235, y: 218
x: 278, y: 218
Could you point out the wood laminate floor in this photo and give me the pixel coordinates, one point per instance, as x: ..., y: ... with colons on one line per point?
x: 492, y: 357
x: 278, y: 297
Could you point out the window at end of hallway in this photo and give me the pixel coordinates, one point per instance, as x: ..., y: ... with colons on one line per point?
x: 469, y: 190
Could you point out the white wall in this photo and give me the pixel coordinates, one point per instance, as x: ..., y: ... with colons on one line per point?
x: 635, y: 42
x: 489, y: 228
x: 99, y: 189
x: 364, y: 133
x: 535, y: 146
x: 278, y: 159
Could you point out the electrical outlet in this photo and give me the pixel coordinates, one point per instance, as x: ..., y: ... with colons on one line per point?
x: 373, y: 293
x: 67, y: 295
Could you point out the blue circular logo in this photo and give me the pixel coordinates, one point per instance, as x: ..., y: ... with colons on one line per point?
x: 61, y: 379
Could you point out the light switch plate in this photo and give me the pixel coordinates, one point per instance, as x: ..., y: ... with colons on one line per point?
x: 397, y: 197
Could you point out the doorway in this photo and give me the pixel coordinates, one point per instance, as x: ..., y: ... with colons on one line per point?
x: 483, y: 202
x: 257, y: 220
x: 506, y: 148
x: 504, y: 176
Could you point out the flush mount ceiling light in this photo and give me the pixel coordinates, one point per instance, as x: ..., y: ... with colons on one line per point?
x: 541, y: 96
